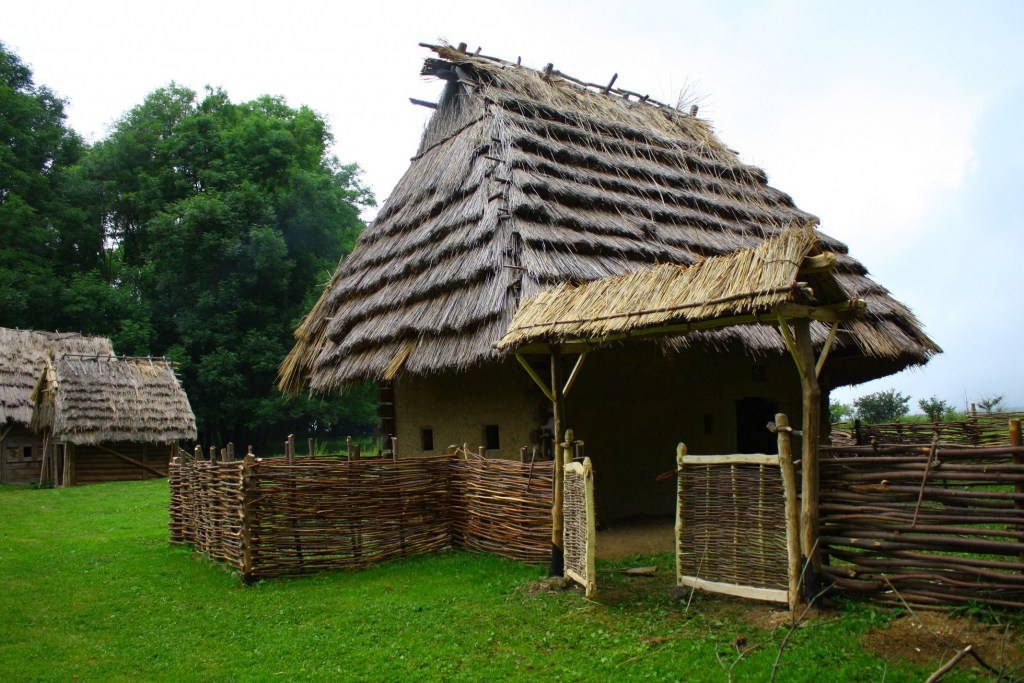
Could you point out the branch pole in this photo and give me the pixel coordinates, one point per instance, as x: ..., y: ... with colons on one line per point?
x: 810, y: 479
x: 1016, y: 440
x: 557, y: 567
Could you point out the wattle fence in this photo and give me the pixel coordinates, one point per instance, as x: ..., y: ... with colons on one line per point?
x: 934, y: 525
x: 284, y: 516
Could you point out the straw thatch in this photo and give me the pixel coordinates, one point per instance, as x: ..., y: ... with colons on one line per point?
x: 101, y: 399
x: 23, y: 356
x: 748, y: 281
x: 525, y: 179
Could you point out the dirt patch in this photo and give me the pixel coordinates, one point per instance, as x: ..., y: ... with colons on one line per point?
x: 621, y: 539
x: 929, y: 637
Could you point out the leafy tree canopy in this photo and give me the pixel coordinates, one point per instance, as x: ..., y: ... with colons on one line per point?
x: 935, y: 407
x: 881, y: 406
x: 992, y: 403
x: 227, y: 219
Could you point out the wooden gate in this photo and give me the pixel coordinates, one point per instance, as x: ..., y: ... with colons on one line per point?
x: 579, y: 526
x: 736, y: 525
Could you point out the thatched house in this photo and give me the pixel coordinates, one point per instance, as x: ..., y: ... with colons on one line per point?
x: 23, y: 356
x: 110, y: 418
x: 525, y: 179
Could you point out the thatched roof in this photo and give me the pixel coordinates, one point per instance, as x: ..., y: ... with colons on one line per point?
x: 91, y: 400
x: 23, y: 356
x: 526, y: 179
x: 749, y: 286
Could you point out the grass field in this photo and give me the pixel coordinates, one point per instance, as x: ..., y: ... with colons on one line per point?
x: 90, y: 590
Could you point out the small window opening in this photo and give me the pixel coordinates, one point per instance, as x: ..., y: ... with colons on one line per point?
x: 26, y: 451
x: 491, y: 441
x: 426, y: 439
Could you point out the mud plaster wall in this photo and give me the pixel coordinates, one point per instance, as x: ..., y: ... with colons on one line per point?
x: 630, y: 406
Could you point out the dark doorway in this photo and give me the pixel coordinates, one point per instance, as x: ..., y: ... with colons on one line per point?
x: 752, y: 418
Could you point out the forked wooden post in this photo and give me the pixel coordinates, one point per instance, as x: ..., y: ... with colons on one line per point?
x: 809, y: 456
x: 789, y: 488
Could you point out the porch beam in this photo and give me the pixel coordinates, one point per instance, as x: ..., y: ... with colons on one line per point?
x: 826, y: 348
x: 575, y: 372
x: 535, y: 377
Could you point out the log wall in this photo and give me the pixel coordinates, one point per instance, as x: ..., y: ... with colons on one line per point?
x: 284, y: 517
x: 935, y: 525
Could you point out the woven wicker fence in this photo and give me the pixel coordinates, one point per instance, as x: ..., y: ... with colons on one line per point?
x: 936, y: 525
x: 981, y: 429
x: 732, y: 527
x: 283, y: 517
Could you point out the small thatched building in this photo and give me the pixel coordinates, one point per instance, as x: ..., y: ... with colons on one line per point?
x: 23, y: 356
x: 526, y: 179
x: 111, y: 418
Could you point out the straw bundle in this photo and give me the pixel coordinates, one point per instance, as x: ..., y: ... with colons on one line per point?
x: 22, y: 358
x: 98, y: 399
x: 525, y: 179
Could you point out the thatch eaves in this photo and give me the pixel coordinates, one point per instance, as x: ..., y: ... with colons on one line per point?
x: 525, y: 179
x: 93, y: 400
x: 23, y: 356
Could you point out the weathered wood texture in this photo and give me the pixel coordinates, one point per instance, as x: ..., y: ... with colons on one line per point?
x: 731, y: 526
x: 119, y: 462
x: 311, y: 515
x: 940, y: 526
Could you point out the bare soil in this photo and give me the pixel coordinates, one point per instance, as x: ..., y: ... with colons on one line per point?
x: 621, y: 539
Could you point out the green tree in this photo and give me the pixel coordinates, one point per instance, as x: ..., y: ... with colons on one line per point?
x: 39, y: 219
x: 992, y: 403
x: 839, y: 411
x: 226, y: 219
x: 934, y: 407
x: 881, y: 406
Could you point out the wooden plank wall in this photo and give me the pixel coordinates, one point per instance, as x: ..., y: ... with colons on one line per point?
x: 17, y: 469
x: 96, y: 463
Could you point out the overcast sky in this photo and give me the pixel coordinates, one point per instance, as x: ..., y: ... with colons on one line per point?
x: 900, y: 124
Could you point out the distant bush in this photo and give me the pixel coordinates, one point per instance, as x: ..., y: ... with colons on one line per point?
x: 839, y: 411
x: 934, y: 408
x: 991, y: 404
x: 882, y: 406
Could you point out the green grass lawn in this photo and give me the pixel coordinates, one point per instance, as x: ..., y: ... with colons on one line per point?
x: 90, y: 590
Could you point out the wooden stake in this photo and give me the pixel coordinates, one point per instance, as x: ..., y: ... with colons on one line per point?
x: 248, y: 463
x: 557, y: 560
x: 789, y: 489
x: 309, y: 444
x: 348, y: 447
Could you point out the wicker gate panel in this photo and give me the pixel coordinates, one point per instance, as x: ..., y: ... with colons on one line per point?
x: 731, y: 526
x: 579, y: 526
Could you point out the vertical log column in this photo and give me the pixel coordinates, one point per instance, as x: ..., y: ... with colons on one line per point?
x: 248, y: 486
x: 789, y: 489
x: 810, y: 480
x: 557, y: 566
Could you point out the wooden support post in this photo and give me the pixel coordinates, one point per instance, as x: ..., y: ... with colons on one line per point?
x: 289, y: 448
x: 348, y: 448
x: 1015, y: 440
x: 809, y: 457
x: 789, y: 488
x: 65, y: 476
x: 309, y: 445
x: 394, y: 448
x: 557, y: 566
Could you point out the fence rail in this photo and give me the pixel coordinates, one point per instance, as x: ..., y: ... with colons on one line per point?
x: 933, y: 524
x: 299, y: 515
x: 980, y: 429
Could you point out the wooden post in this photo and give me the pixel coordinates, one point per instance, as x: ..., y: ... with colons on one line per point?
x: 289, y: 448
x: 522, y: 455
x: 231, y: 451
x: 680, y: 527
x: 809, y: 457
x: 348, y: 448
x: 309, y: 444
x: 197, y: 453
x: 248, y: 463
x: 789, y: 489
x: 65, y: 476
x: 1015, y: 440
x: 213, y: 454
x: 557, y: 566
